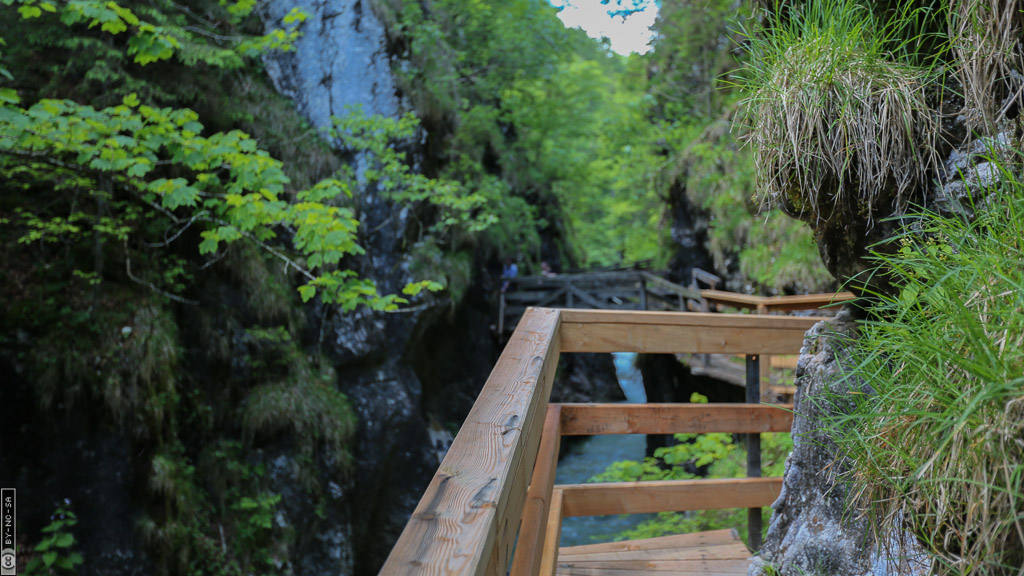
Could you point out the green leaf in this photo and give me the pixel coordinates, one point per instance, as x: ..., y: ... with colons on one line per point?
x: 49, y: 558
x: 65, y: 540
x: 307, y: 292
x: 26, y: 13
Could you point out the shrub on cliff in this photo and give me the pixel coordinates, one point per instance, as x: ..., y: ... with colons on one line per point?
x: 840, y: 124
x: 939, y: 447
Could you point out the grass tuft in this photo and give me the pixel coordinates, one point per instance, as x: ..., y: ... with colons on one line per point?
x: 939, y: 447
x: 839, y: 123
x: 986, y: 40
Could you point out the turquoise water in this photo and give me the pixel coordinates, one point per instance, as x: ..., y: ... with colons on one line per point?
x: 585, y: 459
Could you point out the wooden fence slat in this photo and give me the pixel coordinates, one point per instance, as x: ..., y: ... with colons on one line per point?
x: 592, y: 419
x: 674, y: 338
x: 455, y: 527
x: 529, y: 547
x: 675, y: 495
x: 552, y: 535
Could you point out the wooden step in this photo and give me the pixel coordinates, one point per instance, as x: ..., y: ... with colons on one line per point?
x: 715, y: 553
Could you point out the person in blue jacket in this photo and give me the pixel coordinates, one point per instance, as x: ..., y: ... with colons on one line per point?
x: 508, y: 273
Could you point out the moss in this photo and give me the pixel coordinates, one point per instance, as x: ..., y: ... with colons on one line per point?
x: 310, y: 407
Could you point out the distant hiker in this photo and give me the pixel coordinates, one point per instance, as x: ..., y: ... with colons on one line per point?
x: 508, y: 273
x: 545, y: 270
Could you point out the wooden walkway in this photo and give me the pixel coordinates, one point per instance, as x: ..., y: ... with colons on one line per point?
x: 494, y: 493
x: 717, y: 553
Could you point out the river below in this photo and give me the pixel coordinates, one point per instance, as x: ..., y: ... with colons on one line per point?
x: 585, y: 458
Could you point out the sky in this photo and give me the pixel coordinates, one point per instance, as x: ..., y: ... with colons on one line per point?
x: 631, y: 35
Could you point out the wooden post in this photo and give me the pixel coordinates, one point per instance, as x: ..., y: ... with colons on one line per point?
x: 643, y: 294
x: 754, y: 450
x: 570, y: 300
x: 766, y: 364
x: 530, y: 545
x: 501, y: 317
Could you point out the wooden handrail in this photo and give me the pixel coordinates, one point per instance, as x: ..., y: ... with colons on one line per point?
x: 766, y: 304
x: 497, y: 479
x: 467, y: 520
x: 681, y: 333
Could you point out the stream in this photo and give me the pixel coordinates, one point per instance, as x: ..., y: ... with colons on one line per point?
x: 582, y: 460
x: 589, y: 456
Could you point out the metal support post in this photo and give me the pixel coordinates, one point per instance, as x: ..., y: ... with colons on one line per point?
x: 754, y: 449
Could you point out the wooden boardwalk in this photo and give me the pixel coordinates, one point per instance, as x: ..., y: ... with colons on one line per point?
x: 494, y: 493
x: 717, y: 553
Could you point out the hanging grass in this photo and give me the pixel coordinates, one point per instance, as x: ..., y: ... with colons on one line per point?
x: 986, y: 40
x: 939, y: 447
x: 840, y: 126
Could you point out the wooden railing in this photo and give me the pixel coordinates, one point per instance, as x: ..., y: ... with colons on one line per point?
x: 497, y: 480
x: 770, y: 304
x: 619, y: 290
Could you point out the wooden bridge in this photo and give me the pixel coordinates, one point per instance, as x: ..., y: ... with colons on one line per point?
x: 641, y: 290
x: 493, y: 508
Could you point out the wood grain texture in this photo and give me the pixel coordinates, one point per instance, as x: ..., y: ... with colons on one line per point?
x: 681, y: 332
x: 593, y: 419
x: 552, y: 535
x: 737, y: 567
x: 735, y: 551
x: 673, y: 542
x: 468, y: 516
x: 530, y: 545
x: 775, y: 303
x: 705, y: 553
x: 664, y: 496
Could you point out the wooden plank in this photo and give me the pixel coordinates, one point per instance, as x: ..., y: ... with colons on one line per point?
x: 776, y: 303
x: 688, y: 319
x: 662, y: 559
x: 664, y: 496
x: 510, y: 509
x: 529, y: 547
x: 585, y: 278
x: 731, y: 567
x: 675, y: 541
x: 788, y: 361
x: 587, y: 298
x: 535, y: 297
x: 681, y: 332
x: 661, y: 284
x: 733, y: 551
x: 455, y: 527
x: 592, y: 419
x: 612, y: 572
x: 552, y: 535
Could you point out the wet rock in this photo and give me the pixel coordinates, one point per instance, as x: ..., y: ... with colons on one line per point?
x: 815, y: 527
x: 339, y: 61
x: 586, y: 378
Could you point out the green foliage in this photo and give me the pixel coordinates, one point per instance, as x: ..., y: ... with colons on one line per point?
x: 937, y: 442
x: 716, y: 453
x: 705, y: 164
x: 837, y: 108
x: 162, y: 38
x: 458, y: 206
x: 56, y: 549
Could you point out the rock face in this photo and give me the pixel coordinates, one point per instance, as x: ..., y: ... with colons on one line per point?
x: 815, y: 528
x: 339, y: 61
